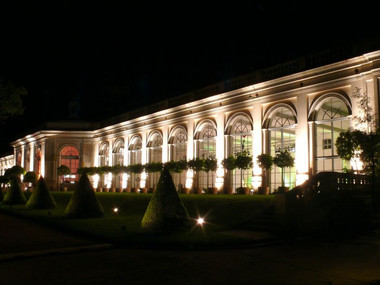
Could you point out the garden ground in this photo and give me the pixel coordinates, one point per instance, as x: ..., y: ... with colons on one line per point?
x: 54, y: 256
x: 329, y: 261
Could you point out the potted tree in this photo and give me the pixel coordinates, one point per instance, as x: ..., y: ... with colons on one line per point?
x: 283, y: 159
x: 31, y: 178
x: 153, y: 167
x: 137, y: 168
x: 62, y: 171
x: 229, y: 164
x: 211, y: 164
x: 196, y: 164
x: 243, y: 162
x: 178, y: 167
x: 265, y: 161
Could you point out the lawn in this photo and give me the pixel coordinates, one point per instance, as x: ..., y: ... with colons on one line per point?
x: 221, y: 213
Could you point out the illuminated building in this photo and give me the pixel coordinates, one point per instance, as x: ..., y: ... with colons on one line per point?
x: 287, y: 106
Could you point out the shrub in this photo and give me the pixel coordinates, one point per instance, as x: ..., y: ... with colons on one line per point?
x: 165, y: 211
x: 84, y: 203
x: 30, y: 177
x: 14, y: 195
x: 41, y: 198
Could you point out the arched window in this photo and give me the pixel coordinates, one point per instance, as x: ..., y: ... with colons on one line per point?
x: 103, y: 154
x: 134, y: 154
x: 118, y: 152
x: 205, y: 137
x: 331, y: 118
x: 281, y: 125
x: 135, y: 150
x: 69, y: 156
x: 177, y: 152
x: 154, y: 147
x: 239, y: 129
x: 178, y: 144
x: 206, y: 147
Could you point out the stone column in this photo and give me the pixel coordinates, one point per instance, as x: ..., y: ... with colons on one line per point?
x: 302, y: 140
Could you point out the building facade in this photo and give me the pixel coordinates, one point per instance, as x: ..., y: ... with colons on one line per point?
x: 303, y: 112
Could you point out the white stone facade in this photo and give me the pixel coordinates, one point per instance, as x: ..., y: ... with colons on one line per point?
x: 303, y: 112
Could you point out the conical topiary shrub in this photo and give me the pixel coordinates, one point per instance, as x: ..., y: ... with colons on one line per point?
x: 165, y: 211
x: 14, y: 195
x: 84, y: 203
x: 41, y: 198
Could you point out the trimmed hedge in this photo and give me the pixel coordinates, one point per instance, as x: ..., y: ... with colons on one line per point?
x: 41, y: 198
x: 14, y: 195
x: 165, y: 211
x: 83, y: 202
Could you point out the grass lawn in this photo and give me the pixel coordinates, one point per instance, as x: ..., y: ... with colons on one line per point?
x: 221, y: 212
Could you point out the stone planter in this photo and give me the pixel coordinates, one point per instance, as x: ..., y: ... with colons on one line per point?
x: 212, y: 190
x: 282, y: 189
x: 242, y: 190
x: 197, y: 190
x: 263, y: 190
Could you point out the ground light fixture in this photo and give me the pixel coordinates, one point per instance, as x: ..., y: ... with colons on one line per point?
x: 200, y: 221
x: 115, y: 210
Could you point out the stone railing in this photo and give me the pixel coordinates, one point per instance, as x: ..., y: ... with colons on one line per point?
x: 333, y: 181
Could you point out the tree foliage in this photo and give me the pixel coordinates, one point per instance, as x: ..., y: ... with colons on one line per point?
x: 165, y: 211
x: 14, y: 194
x: 41, y: 198
x: 10, y: 100
x: 83, y: 202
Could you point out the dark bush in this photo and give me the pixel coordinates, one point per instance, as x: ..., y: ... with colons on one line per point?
x: 84, y: 203
x: 41, y: 198
x: 14, y: 195
x: 165, y: 211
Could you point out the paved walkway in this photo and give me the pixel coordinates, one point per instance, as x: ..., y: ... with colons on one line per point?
x: 20, y: 237
x: 29, y: 256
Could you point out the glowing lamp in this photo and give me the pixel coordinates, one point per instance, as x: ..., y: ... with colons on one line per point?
x: 200, y: 221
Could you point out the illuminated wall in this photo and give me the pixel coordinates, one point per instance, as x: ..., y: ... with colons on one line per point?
x: 303, y: 112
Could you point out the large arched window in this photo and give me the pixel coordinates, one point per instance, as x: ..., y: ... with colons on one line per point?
x: 154, y: 147
x: 134, y: 154
x: 103, y: 154
x: 178, y: 144
x: 69, y: 156
x: 135, y: 150
x: 281, y: 123
x: 331, y: 118
x: 118, y: 152
x: 205, y: 136
x: 178, y: 151
x: 239, y: 129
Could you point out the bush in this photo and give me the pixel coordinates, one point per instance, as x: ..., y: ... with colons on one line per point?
x: 84, y: 203
x: 165, y: 211
x: 41, y: 198
x: 30, y: 177
x: 14, y: 195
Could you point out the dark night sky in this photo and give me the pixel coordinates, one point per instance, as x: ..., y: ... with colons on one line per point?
x: 112, y: 57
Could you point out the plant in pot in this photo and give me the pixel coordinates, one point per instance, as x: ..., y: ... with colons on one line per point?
x: 115, y: 170
x: 211, y: 165
x: 196, y: 164
x: 151, y: 168
x: 265, y: 161
x: 243, y: 162
x: 178, y: 167
x: 31, y: 178
x: 62, y: 171
x: 137, y: 168
x: 283, y: 159
x: 229, y: 164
